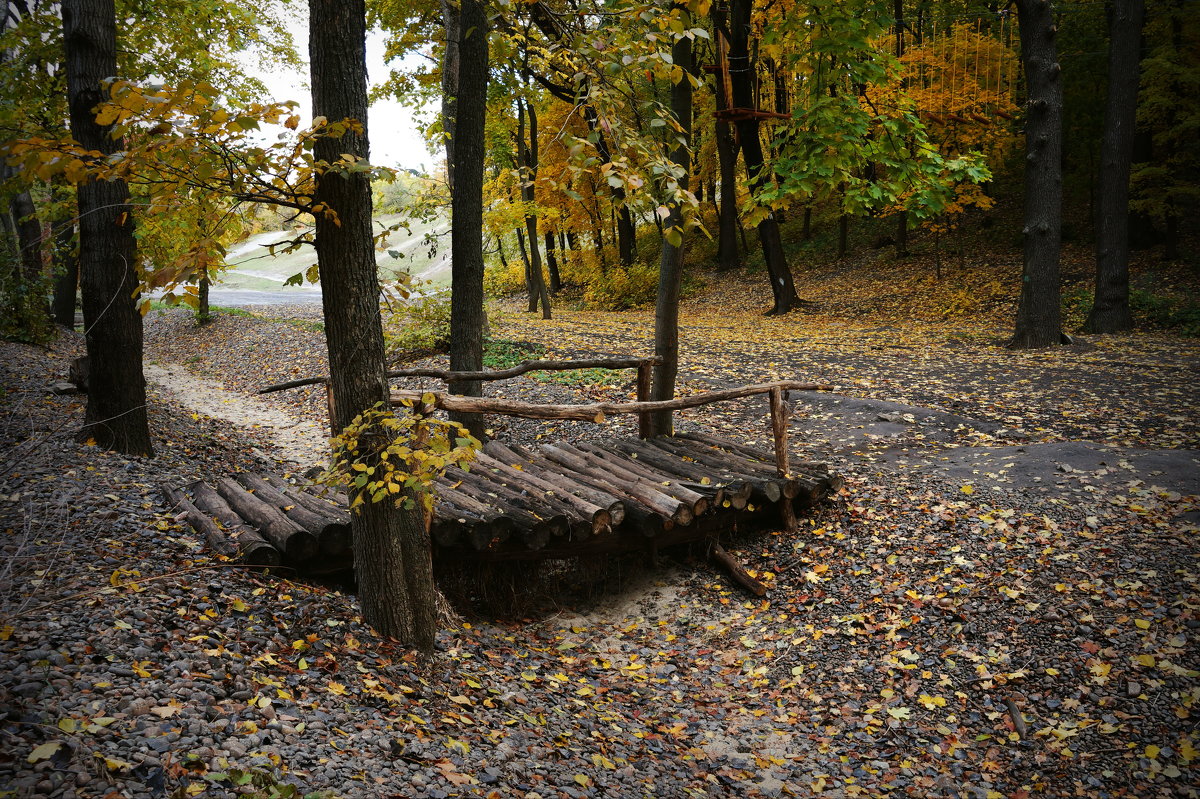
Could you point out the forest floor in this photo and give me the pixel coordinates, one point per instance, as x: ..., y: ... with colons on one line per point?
x: 1002, y: 602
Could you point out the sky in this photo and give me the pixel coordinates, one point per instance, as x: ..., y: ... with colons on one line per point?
x: 394, y: 129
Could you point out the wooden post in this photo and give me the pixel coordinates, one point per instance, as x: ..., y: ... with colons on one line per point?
x: 333, y: 425
x: 644, y: 373
x: 779, y: 428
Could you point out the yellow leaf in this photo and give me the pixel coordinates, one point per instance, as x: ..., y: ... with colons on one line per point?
x: 6, y: 632
x: 968, y: 489
x: 44, y: 752
x: 337, y: 688
x: 67, y: 725
x: 238, y: 605
x: 461, y: 700
x: 583, y: 780
x: 1143, y: 624
x: 1144, y: 660
x: 1152, y: 752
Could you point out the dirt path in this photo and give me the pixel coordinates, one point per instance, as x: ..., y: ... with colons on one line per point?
x: 301, y: 441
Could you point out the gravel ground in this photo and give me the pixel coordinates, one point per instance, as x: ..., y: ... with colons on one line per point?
x: 922, y: 637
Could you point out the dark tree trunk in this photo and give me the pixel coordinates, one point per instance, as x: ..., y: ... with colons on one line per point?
x: 527, y: 151
x: 902, y: 216
x: 782, y: 287
x: 32, y: 306
x: 626, y: 232
x: 670, y: 267
x: 1039, y: 315
x: 728, y: 254
x: 203, y: 312
x: 843, y: 239
x: 452, y: 22
x: 392, y: 561
x: 1110, y: 310
x: 116, y: 410
x: 466, y: 232
x: 806, y: 230
x: 66, y: 270
x: 552, y: 264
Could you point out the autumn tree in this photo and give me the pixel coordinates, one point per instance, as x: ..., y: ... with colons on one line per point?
x: 392, y: 559
x: 116, y: 410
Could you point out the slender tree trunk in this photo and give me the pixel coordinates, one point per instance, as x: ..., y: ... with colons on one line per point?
x: 466, y: 233
x: 902, y: 216
x: 528, y: 151
x: 203, y: 312
x: 1110, y: 310
x: 782, y: 287
x: 392, y: 561
x: 66, y: 278
x: 728, y: 254
x: 1039, y: 315
x: 552, y: 264
x: 33, y: 307
x: 530, y: 290
x: 806, y: 230
x: 843, y: 239
x: 626, y: 233
x: 670, y: 267
x: 116, y: 410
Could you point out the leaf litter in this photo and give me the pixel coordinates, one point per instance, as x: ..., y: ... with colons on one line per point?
x: 925, y: 634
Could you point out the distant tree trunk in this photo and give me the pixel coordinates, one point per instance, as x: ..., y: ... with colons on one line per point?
x: 116, y: 411
x: 392, y: 561
x: 843, y: 239
x: 529, y: 287
x: 806, y: 230
x: 66, y: 269
x: 626, y: 233
x: 467, y: 316
x: 728, y: 254
x: 1039, y: 315
x: 33, y: 308
x: 670, y: 267
x: 203, y: 313
x: 782, y: 287
x: 527, y: 151
x: 1110, y: 310
x: 552, y: 264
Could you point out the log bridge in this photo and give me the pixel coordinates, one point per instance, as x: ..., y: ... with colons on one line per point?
x: 548, y: 501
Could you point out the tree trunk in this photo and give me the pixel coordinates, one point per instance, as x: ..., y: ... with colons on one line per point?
x: 466, y: 232
x: 116, y: 410
x: 66, y: 268
x: 392, y: 561
x: 1039, y: 315
x: 843, y: 239
x: 1110, y: 310
x: 552, y: 264
x: 626, y: 232
x: 528, y: 153
x: 670, y: 268
x: 782, y: 287
x: 32, y: 308
x: 451, y: 21
x: 728, y: 254
x: 902, y: 216
x: 203, y: 313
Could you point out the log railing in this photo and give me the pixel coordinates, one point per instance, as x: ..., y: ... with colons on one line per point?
x: 590, y: 412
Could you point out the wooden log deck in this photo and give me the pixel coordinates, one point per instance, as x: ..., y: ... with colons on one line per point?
x: 550, y: 501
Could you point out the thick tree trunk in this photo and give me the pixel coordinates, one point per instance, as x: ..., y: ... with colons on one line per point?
x: 451, y: 21
x: 670, y: 267
x: 66, y: 270
x: 1110, y: 310
x: 116, y: 410
x: 203, y: 311
x: 392, y: 561
x: 466, y: 232
x: 1039, y: 315
x: 782, y: 287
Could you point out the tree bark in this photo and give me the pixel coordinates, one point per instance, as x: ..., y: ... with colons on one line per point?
x: 728, y: 254
x: 552, y: 264
x: 626, y: 232
x: 528, y: 153
x: 116, y: 411
x: 466, y: 232
x: 392, y: 560
x: 452, y: 24
x: 1110, y: 310
x: 1039, y: 315
x: 670, y: 267
x: 782, y: 288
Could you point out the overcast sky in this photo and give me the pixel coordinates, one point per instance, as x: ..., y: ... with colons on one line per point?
x: 396, y: 139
